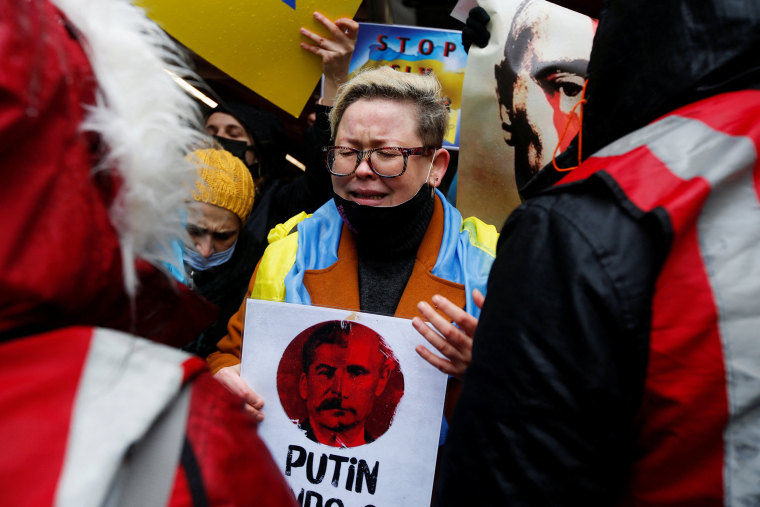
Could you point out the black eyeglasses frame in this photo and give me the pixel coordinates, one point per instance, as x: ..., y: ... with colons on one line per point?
x: 362, y: 154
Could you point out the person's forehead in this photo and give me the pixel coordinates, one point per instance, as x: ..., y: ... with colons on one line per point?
x: 558, y: 35
x: 223, y: 119
x: 361, y: 349
x: 211, y: 217
x: 380, y: 118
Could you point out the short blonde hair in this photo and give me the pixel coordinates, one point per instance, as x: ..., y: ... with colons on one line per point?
x: 423, y: 91
x: 224, y: 181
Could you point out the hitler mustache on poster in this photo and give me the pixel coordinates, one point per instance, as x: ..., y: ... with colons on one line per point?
x: 353, y: 414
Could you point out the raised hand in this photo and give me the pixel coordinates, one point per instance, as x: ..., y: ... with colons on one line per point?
x: 454, y: 342
x: 335, y: 52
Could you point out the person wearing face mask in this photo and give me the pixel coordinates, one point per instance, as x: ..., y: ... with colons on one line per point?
x: 258, y: 138
x: 221, y: 254
x: 387, y: 239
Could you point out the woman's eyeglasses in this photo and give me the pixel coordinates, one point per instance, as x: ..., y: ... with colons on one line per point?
x: 386, y: 162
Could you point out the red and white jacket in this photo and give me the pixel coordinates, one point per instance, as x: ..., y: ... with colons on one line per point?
x: 700, y: 417
x: 90, y: 414
x: 617, y: 357
x: 94, y: 417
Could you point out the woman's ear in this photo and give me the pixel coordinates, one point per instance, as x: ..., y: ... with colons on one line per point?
x: 439, y: 165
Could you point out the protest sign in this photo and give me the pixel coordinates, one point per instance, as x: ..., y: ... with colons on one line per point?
x: 518, y: 97
x: 417, y: 50
x: 353, y: 414
x: 256, y: 43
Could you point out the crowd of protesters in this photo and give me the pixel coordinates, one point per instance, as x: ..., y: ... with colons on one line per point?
x: 601, y: 348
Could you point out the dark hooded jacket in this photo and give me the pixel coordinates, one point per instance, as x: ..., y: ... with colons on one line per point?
x: 278, y: 196
x: 554, y: 405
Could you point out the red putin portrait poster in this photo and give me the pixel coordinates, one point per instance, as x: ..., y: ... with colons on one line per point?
x: 353, y: 414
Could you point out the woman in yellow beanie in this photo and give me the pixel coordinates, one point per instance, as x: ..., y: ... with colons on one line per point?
x: 220, y: 255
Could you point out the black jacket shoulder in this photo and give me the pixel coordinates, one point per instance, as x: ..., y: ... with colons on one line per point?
x: 547, y: 408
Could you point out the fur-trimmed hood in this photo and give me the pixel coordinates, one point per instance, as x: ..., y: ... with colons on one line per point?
x: 93, y: 137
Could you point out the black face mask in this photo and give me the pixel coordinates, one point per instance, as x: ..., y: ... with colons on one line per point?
x: 387, y: 227
x: 239, y: 149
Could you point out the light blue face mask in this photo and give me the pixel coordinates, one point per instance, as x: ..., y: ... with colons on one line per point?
x: 201, y: 263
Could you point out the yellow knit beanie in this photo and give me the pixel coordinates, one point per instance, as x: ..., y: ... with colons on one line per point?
x: 224, y: 181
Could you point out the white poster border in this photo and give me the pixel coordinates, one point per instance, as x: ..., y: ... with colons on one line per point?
x: 405, y: 455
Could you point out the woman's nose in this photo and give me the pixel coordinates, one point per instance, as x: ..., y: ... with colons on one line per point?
x: 205, y: 246
x: 364, y: 170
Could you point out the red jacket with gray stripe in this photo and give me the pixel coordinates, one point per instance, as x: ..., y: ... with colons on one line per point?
x: 626, y: 367
x: 93, y: 416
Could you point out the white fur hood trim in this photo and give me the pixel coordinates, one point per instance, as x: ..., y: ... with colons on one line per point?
x: 147, y: 122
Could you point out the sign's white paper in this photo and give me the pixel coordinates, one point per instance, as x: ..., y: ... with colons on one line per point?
x: 405, y: 393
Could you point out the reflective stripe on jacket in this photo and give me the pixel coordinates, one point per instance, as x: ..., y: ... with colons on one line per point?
x: 700, y: 431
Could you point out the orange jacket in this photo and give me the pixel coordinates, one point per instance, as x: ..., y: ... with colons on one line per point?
x: 321, y: 284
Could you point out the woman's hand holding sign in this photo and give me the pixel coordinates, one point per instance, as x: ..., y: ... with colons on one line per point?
x: 231, y: 379
x: 453, y: 342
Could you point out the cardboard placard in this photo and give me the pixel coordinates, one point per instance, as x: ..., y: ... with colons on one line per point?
x: 256, y: 43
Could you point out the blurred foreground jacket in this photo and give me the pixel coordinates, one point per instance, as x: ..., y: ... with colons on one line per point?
x: 89, y: 413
